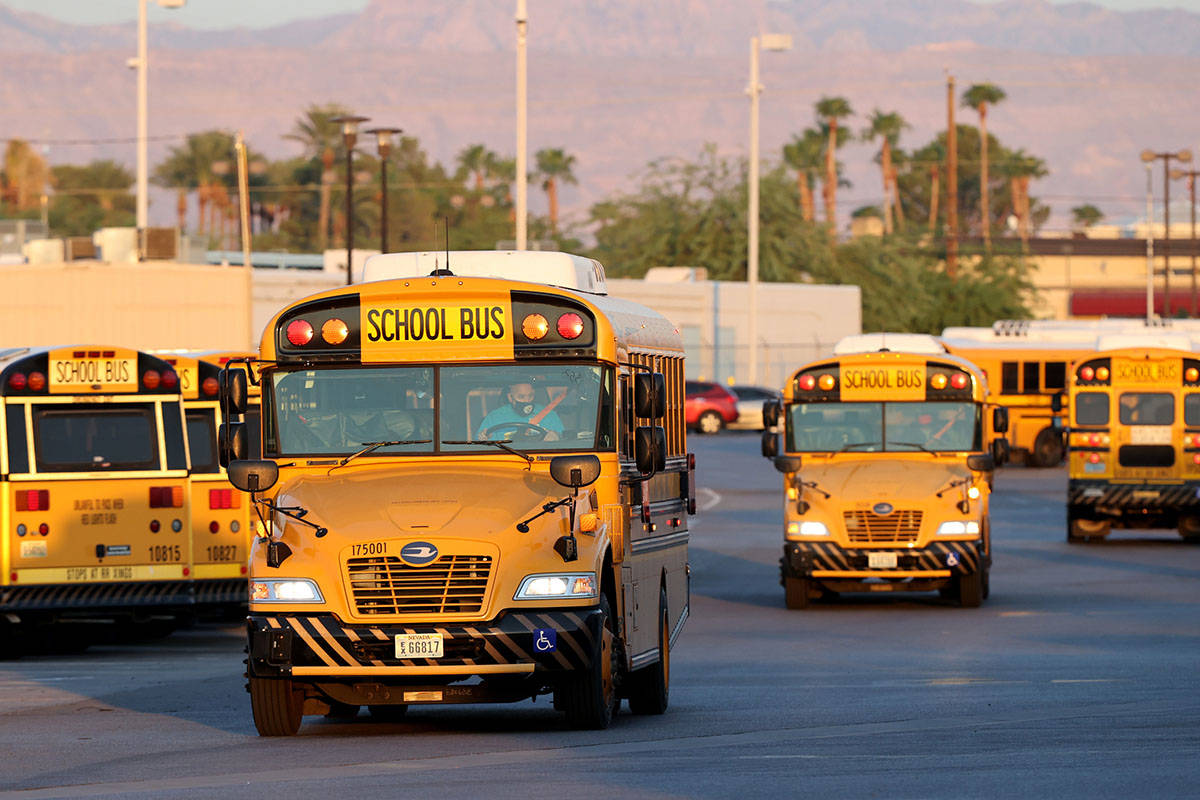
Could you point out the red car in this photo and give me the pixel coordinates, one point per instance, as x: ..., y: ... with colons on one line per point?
x: 709, y: 406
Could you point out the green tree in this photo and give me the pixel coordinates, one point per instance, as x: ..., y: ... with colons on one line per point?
x: 887, y: 127
x: 87, y: 198
x: 1085, y: 216
x: 804, y: 154
x: 979, y: 96
x: 554, y: 166
x: 322, y: 140
x: 830, y: 111
x: 204, y: 163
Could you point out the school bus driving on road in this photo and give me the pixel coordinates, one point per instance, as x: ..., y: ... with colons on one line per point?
x: 95, y: 511
x: 1134, y: 439
x: 478, y: 484
x: 885, y: 475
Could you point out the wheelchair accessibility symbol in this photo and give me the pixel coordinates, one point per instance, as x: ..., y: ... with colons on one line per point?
x: 545, y: 640
x: 951, y: 560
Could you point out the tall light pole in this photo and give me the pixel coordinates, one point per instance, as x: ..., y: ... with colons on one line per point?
x: 1184, y: 157
x: 1149, y: 241
x: 522, y: 144
x: 776, y: 42
x: 349, y: 125
x: 140, y: 64
x: 1190, y: 174
x: 383, y: 140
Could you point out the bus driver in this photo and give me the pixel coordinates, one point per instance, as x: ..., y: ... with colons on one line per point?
x: 522, y: 416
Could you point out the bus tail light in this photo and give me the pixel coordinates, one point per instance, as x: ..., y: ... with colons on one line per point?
x: 170, y: 379
x: 223, y: 498
x: 827, y: 382
x: 299, y: 332
x: 959, y: 380
x: 1094, y: 458
x: 17, y: 381
x: 33, y: 499
x: 535, y: 327
x: 1196, y: 458
x: 154, y: 526
x: 938, y: 381
x: 37, y: 381
x: 151, y: 379
x: 334, y: 331
x: 807, y: 383
x: 214, y: 526
x: 1101, y: 373
x: 1087, y: 374
x: 570, y: 326
x: 1191, y: 375
x: 44, y: 529
x: 210, y: 387
x: 166, y: 497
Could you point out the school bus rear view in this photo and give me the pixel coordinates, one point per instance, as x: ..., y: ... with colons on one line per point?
x: 478, y: 484
x: 885, y: 476
x: 95, y: 512
x: 1134, y: 443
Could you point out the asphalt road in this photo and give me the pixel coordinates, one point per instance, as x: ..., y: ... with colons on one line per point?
x: 1077, y: 678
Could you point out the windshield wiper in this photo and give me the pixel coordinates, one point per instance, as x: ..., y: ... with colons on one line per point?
x: 849, y: 445
x: 371, y: 447
x: 503, y: 444
x: 914, y: 444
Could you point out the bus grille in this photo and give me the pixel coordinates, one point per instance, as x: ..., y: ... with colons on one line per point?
x: 450, y: 585
x: 866, y: 527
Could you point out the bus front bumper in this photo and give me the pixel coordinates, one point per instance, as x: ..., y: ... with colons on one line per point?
x: 1105, y: 495
x: 938, y: 561
x: 319, y: 646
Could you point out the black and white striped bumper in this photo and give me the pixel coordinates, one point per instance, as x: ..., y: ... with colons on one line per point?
x: 319, y: 645
x: 1149, y: 496
x: 97, y: 598
x: 826, y: 559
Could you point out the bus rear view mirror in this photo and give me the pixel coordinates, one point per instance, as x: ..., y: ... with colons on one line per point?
x: 981, y: 462
x: 650, y: 449
x: 253, y: 476
x: 231, y: 442
x: 770, y: 444
x: 575, y: 472
x: 1000, y: 419
x: 1056, y: 403
x: 772, y: 411
x: 233, y: 390
x: 649, y: 395
x: 787, y: 464
x: 1000, y: 451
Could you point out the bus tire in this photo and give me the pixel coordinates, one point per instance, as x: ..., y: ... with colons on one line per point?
x: 1189, y: 529
x: 710, y: 423
x: 796, y: 591
x: 970, y: 588
x: 389, y: 713
x: 1086, y: 530
x: 651, y: 687
x: 277, y: 705
x: 1047, y: 449
x: 589, y: 698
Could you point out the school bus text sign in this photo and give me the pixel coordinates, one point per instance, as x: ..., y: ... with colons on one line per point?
x: 879, y: 382
x: 1147, y: 372
x: 436, y: 330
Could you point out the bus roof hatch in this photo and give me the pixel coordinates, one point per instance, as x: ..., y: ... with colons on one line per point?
x: 535, y: 266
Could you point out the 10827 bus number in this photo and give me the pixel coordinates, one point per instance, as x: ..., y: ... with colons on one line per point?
x: 222, y: 552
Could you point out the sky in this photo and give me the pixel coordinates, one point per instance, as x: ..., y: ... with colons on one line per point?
x: 265, y: 13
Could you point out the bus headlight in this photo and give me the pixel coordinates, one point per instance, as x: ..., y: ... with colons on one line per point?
x: 285, y: 590
x: 974, y: 493
x: 956, y: 528
x: 808, y: 528
x: 574, y: 585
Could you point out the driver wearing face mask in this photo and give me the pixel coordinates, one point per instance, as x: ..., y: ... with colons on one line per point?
x: 521, y: 408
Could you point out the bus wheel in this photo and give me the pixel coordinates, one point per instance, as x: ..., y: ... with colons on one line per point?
x: 710, y: 422
x: 652, y: 685
x: 388, y: 713
x: 796, y: 591
x: 1047, y: 449
x: 589, y: 698
x: 1085, y: 530
x: 1189, y: 529
x: 970, y: 588
x: 277, y: 706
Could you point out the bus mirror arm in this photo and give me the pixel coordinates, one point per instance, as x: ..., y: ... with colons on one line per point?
x: 566, y: 546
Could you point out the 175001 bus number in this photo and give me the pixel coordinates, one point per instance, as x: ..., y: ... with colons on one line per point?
x: 369, y: 549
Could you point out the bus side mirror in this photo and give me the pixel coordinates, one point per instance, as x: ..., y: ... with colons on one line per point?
x: 1000, y: 419
x: 253, y: 476
x: 650, y: 448
x: 1056, y: 403
x: 981, y: 462
x: 649, y: 395
x: 232, y: 389
x: 786, y: 464
x: 575, y: 472
x: 772, y: 411
x: 231, y: 442
x: 770, y: 444
x: 1000, y: 451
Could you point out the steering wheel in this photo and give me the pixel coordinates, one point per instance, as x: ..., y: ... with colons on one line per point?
x: 528, y: 429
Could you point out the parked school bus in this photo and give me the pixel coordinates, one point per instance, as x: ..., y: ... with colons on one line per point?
x: 222, y: 520
x: 1134, y: 440
x: 886, y: 475
x: 95, y: 512
x: 477, y: 477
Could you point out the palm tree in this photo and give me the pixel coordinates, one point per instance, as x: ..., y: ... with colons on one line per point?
x: 202, y: 162
x: 553, y: 166
x: 887, y: 127
x: 1020, y: 168
x: 830, y: 110
x: 979, y: 96
x: 474, y: 160
x: 26, y: 175
x: 504, y: 172
x: 804, y: 154
x: 321, y: 138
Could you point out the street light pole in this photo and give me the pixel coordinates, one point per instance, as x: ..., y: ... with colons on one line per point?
x: 1190, y: 174
x: 350, y: 125
x: 1149, y: 241
x: 383, y: 140
x: 522, y: 144
x: 777, y: 42
x: 1184, y: 157
x: 140, y: 63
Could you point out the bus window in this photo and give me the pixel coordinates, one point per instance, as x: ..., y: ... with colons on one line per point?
x: 1091, y: 408
x: 84, y: 439
x: 939, y: 426
x: 1031, y: 383
x: 201, y: 440
x: 1191, y: 411
x: 172, y: 416
x: 1145, y: 408
x: 828, y: 428
x: 18, y: 447
x: 1009, y: 377
x: 1056, y: 376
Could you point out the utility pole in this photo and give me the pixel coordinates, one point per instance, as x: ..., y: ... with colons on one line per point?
x: 522, y: 144
x: 951, y: 182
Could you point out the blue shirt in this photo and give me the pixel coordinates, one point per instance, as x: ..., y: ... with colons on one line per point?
x: 506, y: 413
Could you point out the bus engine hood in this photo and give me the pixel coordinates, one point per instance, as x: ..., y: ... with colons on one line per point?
x: 475, y: 501
x: 873, y: 479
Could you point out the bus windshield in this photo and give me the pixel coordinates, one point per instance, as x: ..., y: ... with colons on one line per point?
x: 91, y: 438
x: 884, y: 427
x: 338, y: 411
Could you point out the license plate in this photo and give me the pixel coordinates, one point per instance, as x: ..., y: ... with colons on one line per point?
x: 418, y: 645
x: 1150, y: 434
x: 881, y: 560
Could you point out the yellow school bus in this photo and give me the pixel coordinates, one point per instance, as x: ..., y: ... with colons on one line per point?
x: 222, y: 521
x: 95, y: 509
x: 478, y: 485
x: 1026, y: 368
x: 886, y: 476
x: 1134, y: 442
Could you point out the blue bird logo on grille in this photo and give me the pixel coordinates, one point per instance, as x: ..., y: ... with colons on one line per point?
x: 418, y: 553
x: 883, y: 509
